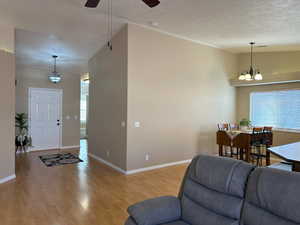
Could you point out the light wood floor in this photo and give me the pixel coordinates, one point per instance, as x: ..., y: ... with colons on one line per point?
x: 87, y: 193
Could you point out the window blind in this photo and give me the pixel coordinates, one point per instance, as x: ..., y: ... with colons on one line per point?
x: 279, y: 109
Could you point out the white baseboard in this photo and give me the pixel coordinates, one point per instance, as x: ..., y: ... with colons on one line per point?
x: 40, y: 149
x: 5, y: 179
x: 137, y: 170
x: 157, y: 166
x: 107, y: 163
x: 69, y: 147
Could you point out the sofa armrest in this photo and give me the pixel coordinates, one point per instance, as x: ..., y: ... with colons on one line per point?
x: 156, y: 211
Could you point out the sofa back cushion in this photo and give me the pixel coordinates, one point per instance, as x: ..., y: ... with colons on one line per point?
x: 213, y: 190
x: 272, y: 198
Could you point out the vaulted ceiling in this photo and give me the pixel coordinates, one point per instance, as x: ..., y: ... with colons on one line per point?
x: 75, y: 33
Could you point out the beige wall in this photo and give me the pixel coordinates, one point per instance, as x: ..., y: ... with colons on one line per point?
x: 7, y: 38
x: 107, y: 101
x: 272, y: 63
x: 7, y: 114
x: 178, y: 90
x: 36, y: 78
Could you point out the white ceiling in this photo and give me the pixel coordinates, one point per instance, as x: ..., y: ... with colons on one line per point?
x: 75, y: 33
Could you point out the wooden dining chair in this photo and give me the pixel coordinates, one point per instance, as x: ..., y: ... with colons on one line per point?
x: 256, y: 144
x: 267, y: 136
x: 223, y: 126
x: 268, y: 129
x: 233, y: 126
x: 229, y: 150
x: 267, y: 142
x: 256, y: 136
x: 234, y: 152
x: 260, y: 149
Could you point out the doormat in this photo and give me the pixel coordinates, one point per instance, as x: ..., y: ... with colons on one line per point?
x: 59, y: 159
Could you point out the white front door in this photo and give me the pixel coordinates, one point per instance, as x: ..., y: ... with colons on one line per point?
x: 45, y: 106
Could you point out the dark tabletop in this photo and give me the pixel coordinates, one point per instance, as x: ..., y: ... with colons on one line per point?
x: 289, y: 152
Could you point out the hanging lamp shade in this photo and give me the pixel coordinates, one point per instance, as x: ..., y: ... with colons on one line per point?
x: 242, y: 77
x: 258, y: 76
x: 54, y: 77
x: 248, y: 77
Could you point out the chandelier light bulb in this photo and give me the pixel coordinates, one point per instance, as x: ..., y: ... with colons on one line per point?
x: 248, y: 77
x: 258, y: 76
x: 242, y: 77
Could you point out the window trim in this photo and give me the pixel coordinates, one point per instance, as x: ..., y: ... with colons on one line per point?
x: 287, y: 130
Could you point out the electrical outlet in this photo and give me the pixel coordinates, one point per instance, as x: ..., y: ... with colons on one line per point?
x: 107, y: 153
x: 147, y: 157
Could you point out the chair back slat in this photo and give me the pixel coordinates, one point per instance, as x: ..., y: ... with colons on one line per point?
x: 257, y: 130
x: 223, y: 126
x: 233, y: 126
x: 257, y: 135
x: 268, y: 136
x: 268, y: 129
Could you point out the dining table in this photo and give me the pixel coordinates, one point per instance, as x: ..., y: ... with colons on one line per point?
x: 242, y: 140
x: 289, y: 153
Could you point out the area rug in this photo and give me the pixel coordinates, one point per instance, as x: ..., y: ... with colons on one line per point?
x: 59, y: 159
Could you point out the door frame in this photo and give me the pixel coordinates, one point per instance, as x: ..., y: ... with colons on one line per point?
x: 60, y: 92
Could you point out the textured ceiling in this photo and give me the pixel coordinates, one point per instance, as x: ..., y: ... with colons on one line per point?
x: 66, y: 28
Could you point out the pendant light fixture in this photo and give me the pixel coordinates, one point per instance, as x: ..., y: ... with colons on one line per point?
x: 54, y: 77
x: 252, y: 74
x: 109, y: 23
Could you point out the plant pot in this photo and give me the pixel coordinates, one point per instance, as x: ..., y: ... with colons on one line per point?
x: 23, y: 141
x: 244, y: 128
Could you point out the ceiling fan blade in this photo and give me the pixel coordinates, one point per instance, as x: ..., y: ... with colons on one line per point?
x: 151, y: 3
x: 92, y: 3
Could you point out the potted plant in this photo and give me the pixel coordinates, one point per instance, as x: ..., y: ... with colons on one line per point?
x: 245, y: 124
x: 22, y: 139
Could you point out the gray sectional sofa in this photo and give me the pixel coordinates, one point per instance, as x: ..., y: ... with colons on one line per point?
x: 224, y: 191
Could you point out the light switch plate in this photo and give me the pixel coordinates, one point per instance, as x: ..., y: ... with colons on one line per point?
x: 147, y: 157
x: 137, y: 124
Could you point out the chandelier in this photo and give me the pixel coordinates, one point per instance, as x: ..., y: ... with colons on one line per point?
x: 54, y: 77
x: 252, y: 74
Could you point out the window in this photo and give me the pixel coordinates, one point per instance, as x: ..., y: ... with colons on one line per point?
x: 280, y: 109
x: 84, y: 95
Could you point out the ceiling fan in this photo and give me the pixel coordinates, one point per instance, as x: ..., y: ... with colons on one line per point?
x: 94, y: 3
